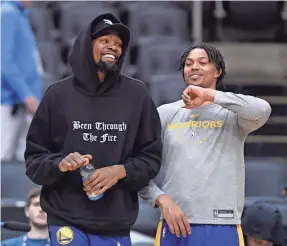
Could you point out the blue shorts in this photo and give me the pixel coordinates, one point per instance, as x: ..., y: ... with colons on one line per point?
x: 68, y: 235
x: 201, y: 235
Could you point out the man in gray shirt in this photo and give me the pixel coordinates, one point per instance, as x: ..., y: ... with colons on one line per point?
x: 202, y: 193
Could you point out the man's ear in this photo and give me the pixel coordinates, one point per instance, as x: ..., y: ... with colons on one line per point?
x: 218, y: 72
x: 26, y: 212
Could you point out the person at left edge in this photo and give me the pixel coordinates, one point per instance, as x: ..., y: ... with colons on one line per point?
x: 37, y: 218
x: 110, y: 117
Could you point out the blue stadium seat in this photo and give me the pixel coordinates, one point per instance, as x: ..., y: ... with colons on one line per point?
x: 255, y: 21
x: 14, y: 182
x: 41, y: 22
x: 253, y: 16
x: 51, y: 58
x: 166, y: 88
x: 159, y: 20
x: 265, y: 177
x: 76, y: 16
x: 159, y: 56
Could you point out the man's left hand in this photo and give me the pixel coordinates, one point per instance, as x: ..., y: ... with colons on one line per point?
x: 195, y: 96
x: 103, y: 179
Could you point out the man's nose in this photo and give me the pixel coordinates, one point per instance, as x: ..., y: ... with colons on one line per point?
x: 112, y: 47
x: 195, y: 66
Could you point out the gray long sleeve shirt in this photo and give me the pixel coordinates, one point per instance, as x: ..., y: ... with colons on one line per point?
x: 203, y: 159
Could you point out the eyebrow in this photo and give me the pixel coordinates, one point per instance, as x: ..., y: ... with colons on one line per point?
x: 202, y: 57
x: 106, y: 36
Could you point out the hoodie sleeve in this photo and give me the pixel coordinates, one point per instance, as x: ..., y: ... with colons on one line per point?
x: 145, y: 164
x: 42, y: 165
x: 10, y: 72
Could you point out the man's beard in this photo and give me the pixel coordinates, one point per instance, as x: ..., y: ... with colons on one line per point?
x: 107, y: 67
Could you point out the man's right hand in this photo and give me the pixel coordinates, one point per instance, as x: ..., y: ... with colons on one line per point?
x: 174, y: 216
x: 74, y: 161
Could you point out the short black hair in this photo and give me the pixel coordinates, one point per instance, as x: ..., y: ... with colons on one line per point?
x: 214, y: 56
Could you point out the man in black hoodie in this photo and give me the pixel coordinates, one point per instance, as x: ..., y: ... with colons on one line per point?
x: 101, y: 116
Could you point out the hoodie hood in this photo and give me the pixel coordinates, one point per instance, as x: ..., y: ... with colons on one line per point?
x: 81, y: 58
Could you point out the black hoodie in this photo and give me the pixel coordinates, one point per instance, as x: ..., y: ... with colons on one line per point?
x: 115, y: 121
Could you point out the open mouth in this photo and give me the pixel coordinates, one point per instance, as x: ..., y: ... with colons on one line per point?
x: 109, y: 57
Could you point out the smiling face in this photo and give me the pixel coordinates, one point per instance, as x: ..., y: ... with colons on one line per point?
x: 107, y: 51
x: 199, y: 70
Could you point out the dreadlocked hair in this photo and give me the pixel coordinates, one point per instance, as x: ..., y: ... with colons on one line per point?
x: 214, y: 56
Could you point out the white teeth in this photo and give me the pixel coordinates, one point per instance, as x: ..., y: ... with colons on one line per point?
x: 110, y: 56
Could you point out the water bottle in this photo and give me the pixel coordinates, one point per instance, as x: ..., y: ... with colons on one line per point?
x: 86, y: 171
